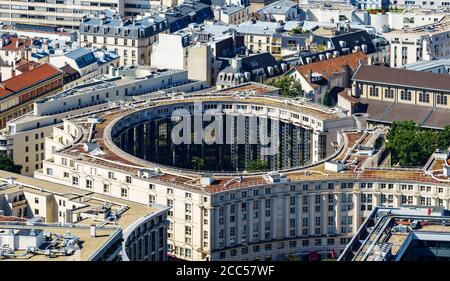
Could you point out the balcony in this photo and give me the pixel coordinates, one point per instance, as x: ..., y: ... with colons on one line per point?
x: 19, y: 203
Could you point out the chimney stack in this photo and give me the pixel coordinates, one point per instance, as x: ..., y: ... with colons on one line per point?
x: 93, y: 230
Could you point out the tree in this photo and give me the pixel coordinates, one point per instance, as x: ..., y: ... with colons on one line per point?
x: 326, y: 99
x: 289, y: 86
x: 198, y: 163
x: 257, y: 165
x: 297, y: 30
x: 6, y: 164
x: 412, y: 146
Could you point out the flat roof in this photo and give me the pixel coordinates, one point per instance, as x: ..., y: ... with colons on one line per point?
x: 88, y: 200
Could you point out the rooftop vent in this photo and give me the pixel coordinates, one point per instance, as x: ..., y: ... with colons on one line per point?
x: 206, y: 180
x: 275, y: 177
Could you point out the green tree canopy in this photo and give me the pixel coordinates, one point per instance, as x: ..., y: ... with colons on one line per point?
x: 289, y: 86
x: 326, y: 99
x: 257, y: 165
x: 7, y: 164
x: 198, y: 163
x: 412, y: 146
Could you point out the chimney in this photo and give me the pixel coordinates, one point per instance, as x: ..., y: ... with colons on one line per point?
x: 93, y: 230
x: 0, y: 76
x: 13, y: 72
x: 310, y: 75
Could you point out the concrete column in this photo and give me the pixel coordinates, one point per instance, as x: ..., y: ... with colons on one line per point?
x: 250, y: 219
x: 237, y: 224
x: 324, y: 210
x: 298, y: 214
x: 215, y: 228
x: 262, y: 215
x: 287, y: 215
x: 397, y: 200
x: 356, y: 211
x: 376, y: 199
x: 273, y: 214
x: 226, y: 224
x: 311, y: 213
x: 337, y: 211
x: 416, y: 199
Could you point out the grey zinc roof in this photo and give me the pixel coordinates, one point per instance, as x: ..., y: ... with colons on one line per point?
x: 116, y: 26
x: 231, y: 9
x: 279, y: 7
x: 258, y: 27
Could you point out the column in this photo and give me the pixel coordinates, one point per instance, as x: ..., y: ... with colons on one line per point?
x: 337, y: 211
x: 376, y: 199
x: 287, y: 215
x: 312, y: 212
x: 356, y: 211
x: 298, y: 214
x: 397, y: 200
x: 324, y: 214
x: 273, y: 214
x: 250, y: 219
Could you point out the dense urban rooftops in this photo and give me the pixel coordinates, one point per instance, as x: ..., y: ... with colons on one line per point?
x: 87, y: 206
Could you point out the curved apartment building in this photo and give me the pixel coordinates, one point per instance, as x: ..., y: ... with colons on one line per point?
x: 230, y: 214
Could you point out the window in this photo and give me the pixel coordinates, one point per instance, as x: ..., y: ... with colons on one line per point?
x: 405, y: 95
x: 188, y: 195
x: 88, y: 184
x: 36, y: 200
x: 75, y: 181
x: 124, y: 192
x: 441, y: 99
x: 128, y: 179
x: 424, y: 97
x: 111, y: 175
x: 66, y: 174
x: 188, y: 230
x: 373, y: 91
x: 389, y: 93
x: 50, y: 171
x: 106, y: 188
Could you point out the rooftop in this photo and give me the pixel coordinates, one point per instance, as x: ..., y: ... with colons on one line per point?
x: 259, y: 27
x: 402, y: 78
x: 85, y: 203
x: 28, y: 79
x: 387, y: 233
x: 280, y: 7
x: 350, y: 157
x: 332, y: 66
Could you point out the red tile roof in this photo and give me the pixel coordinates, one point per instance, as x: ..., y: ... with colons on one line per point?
x: 29, y: 78
x: 23, y: 43
x: 11, y: 218
x: 332, y: 65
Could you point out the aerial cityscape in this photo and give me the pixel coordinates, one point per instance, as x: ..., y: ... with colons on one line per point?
x: 225, y: 130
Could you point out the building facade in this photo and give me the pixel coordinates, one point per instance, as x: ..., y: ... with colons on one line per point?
x: 18, y: 93
x: 131, y: 39
x: 258, y: 216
